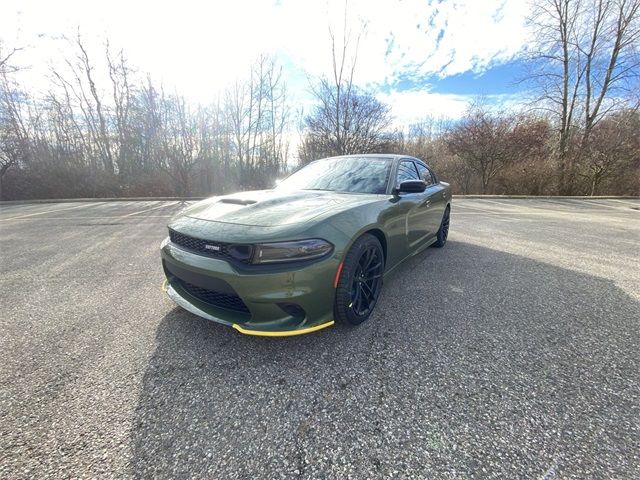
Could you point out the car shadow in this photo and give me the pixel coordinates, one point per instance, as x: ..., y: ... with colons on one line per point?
x: 475, y: 360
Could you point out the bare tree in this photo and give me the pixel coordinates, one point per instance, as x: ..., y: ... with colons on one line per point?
x: 14, y: 133
x: 121, y: 95
x: 363, y: 124
x: 258, y: 114
x: 489, y: 142
x: 179, y: 142
x: 482, y: 141
x: 586, y: 65
x: 5, y: 58
x: 346, y: 119
x: 87, y: 97
x: 613, y: 152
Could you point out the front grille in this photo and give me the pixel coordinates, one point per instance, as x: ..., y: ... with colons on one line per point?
x: 217, y: 299
x: 241, y: 253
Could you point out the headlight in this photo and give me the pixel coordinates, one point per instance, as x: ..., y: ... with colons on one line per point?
x: 291, y: 251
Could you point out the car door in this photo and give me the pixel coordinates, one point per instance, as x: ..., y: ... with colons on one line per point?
x: 435, y: 201
x: 413, y: 205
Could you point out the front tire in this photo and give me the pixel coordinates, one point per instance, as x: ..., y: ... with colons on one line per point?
x: 360, y: 281
x: 443, y: 231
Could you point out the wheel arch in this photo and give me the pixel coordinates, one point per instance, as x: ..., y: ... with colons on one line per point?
x: 382, y: 238
x: 376, y: 232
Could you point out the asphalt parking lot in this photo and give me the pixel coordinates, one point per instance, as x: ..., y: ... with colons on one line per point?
x: 514, y: 352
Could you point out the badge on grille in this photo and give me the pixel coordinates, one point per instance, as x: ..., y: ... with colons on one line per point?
x: 212, y: 247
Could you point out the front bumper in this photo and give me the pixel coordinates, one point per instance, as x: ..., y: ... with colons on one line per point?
x: 262, y: 292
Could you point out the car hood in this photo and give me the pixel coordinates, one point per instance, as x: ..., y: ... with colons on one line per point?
x: 268, y: 208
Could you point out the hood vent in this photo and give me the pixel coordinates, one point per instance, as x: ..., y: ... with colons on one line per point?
x: 237, y: 201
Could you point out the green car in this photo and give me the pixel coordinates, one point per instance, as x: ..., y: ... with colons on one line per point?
x: 309, y: 252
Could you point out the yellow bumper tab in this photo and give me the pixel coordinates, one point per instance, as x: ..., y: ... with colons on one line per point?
x: 286, y: 333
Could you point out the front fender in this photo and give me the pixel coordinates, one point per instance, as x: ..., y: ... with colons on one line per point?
x: 381, y: 218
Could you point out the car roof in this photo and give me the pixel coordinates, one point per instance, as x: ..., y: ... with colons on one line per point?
x: 388, y: 156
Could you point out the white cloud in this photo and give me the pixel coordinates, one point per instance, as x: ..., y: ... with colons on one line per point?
x: 413, y: 38
x: 411, y: 106
x: 199, y: 47
x: 184, y: 39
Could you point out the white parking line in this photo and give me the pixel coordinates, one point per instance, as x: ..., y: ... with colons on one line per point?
x: 48, y: 211
x: 496, y: 202
x: 629, y: 203
x: 125, y: 221
x: 604, y: 203
x: 110, y: 217
x: 477, y: 209
x: 147, y: 210
x: 548, y: 213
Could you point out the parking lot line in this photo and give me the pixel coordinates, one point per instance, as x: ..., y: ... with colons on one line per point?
x: 496, y: 202
x: 608, y: 205
x: 48, y: 211
x: 147, y: 210
x: 475, y: 209
x: 629, y: 203
x: 109, y: 217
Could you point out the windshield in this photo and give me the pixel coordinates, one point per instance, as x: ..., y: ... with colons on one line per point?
x: 346, y: 174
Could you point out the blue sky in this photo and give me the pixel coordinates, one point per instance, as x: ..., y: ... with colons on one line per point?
x: 498, y: 79
x: 422, y: 57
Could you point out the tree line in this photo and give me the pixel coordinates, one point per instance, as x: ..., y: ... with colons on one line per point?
x: 101, y: 130
x: 108, y: 133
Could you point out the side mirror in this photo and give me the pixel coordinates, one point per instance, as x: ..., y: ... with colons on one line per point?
x: 411, y: 186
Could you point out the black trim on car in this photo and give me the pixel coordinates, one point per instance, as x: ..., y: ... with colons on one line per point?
x: 209, y: 290
x: 203, y: 281
x: 273, y: 267
x: 236, y: 252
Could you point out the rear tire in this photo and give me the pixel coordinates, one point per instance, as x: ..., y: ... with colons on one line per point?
x: 360, y: 281
x: 443, y: 231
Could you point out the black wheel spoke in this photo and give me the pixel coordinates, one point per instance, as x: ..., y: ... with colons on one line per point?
x: 366, y: 280
x: 375, y: 267
x: 363, y: 258
x: 370, y: 257
x: 355, y: 298
x: 368, y: 291
x: 361, y: 299
x: 443, y: 232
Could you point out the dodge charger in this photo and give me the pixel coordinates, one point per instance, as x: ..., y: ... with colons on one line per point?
x: 312, y: 251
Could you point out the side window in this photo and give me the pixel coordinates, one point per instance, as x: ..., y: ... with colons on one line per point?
x: 425, y: 174
x: 407, y: 171
x: 434, y: 176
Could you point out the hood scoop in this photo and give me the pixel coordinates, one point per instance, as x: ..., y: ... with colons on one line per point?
x: 237, y: 201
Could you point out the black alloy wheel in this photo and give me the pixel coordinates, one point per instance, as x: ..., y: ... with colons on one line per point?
x: 365, y: 286
x: 443, y: 231
x: 360, y: 281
